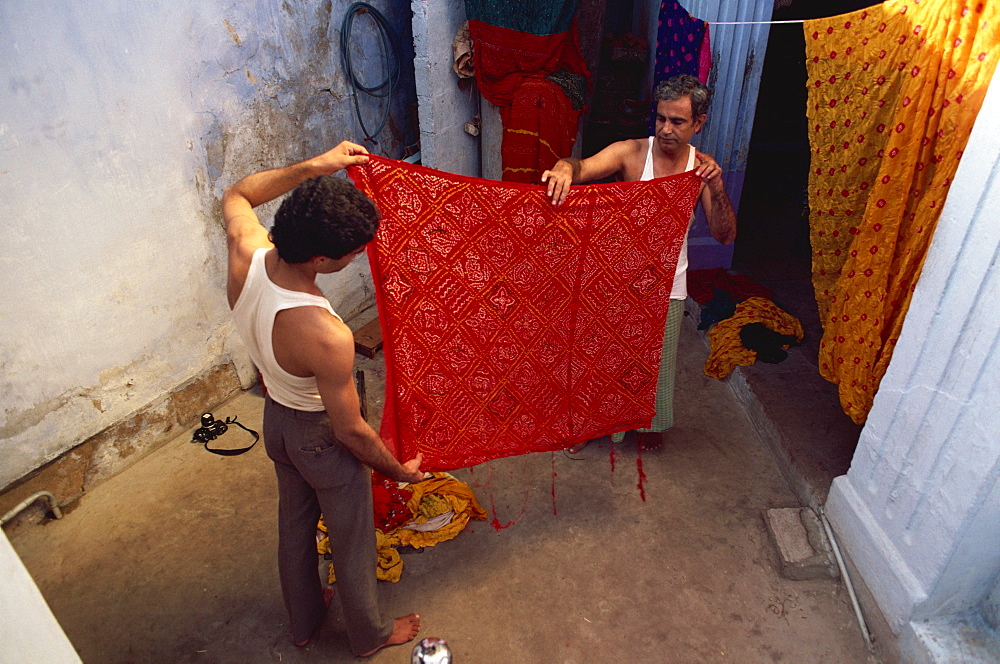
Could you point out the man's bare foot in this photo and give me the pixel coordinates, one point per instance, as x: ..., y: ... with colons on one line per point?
x: 578, y: 447
x: 327, y: 598
x: 403, y: 630
x: 652, y: 440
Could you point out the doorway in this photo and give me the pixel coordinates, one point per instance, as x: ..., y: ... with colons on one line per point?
x: 813, y: 438
x: 773, y: 241
x: 773, y: 247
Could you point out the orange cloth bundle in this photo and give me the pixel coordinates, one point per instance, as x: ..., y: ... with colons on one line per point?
x: 726, y: 350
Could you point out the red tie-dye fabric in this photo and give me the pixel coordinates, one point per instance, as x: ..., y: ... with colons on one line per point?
x: 512, y: 326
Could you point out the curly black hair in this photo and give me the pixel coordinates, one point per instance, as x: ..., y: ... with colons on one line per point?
x: 323, y: 216
x: 684, y: 85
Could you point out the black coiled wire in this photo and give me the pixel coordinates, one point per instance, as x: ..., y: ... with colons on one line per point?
x: 390, y: 54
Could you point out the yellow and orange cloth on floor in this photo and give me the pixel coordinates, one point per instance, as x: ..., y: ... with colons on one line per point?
x: 726, y: 348
x: 440, y: 509
x: 894, y: 90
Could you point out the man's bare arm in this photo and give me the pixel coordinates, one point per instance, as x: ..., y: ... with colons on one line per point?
x: 267, y: 185
x: 714, y: 200
x: 330, y: 352
x: 244, y: 233
x: 718, y: 210
x: 569, y: 171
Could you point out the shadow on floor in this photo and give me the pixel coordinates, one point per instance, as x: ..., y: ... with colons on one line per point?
x: 795, y: 410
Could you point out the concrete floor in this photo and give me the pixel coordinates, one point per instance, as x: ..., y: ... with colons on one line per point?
x: 174, y: 559
x: 795, y: 410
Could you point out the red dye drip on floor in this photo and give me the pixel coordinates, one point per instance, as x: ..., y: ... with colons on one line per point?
x: 475, y: 482
x: 611, y: 446
x: 555, y: 512
x: 642, y: 476
x: 497, y: 526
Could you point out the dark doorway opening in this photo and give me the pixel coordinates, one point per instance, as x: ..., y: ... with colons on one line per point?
x: 773, y: 247
x: 773, y: 240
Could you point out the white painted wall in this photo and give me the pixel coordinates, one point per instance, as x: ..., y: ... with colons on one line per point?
x: 120, y: 125
x: 29, y: 633
x: 444, y: 108
x: 919, y: 510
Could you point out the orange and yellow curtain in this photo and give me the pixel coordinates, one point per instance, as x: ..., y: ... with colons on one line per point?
x: 893, y: 93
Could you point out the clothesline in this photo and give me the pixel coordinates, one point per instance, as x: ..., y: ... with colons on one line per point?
x: 800, y: 20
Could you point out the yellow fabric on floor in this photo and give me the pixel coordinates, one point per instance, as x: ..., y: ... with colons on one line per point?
x: 430, y: 498
x: 726, y: 350
x: 460, y: 499
x: 390, y: 564
x: 431, y: 506
x: 322, y: 543
x: 894, y: 90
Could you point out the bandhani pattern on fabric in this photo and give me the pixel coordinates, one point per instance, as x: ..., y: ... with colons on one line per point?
x: 513, y: 326
x: 516, y: 47
x: 893, y: 93
x: 683, y: 46
x: 726, y: 350
x: 389, y: 502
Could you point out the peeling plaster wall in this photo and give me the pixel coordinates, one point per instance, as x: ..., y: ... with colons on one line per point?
x: 120, y: 126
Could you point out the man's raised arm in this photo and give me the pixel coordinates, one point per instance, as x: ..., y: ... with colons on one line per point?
x: 240, y: 199
x: 244, y: 232
x: 570, y: 171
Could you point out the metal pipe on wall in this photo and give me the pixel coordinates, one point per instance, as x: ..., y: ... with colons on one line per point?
x: 24, y: 504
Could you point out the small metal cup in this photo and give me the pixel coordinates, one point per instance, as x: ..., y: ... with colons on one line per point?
x: 431, y: 651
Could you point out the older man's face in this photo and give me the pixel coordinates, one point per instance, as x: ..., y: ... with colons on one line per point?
x: 675, y: 124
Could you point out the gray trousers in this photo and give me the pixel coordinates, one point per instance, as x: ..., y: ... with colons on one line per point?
x: 316, y: 474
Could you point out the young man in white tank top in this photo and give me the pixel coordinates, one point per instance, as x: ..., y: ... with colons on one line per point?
x: 313, y: 429
x: 681, y: 110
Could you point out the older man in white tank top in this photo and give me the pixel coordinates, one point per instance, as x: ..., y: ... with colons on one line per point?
x: 681, y: 110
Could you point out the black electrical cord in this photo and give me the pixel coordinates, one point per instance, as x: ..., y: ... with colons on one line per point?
x: 390, y: 47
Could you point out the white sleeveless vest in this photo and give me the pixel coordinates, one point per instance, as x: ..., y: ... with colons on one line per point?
x: 679, y: 290
x: 254, y: 312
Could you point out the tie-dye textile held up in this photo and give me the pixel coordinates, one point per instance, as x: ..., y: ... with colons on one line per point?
x: 513, y: 326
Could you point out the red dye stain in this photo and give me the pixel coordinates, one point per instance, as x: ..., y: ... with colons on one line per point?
x: 475, y: 482
x: 642, y: 477
x: 611, y: 445
x: 555, y: 512
x: 497, y: 526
